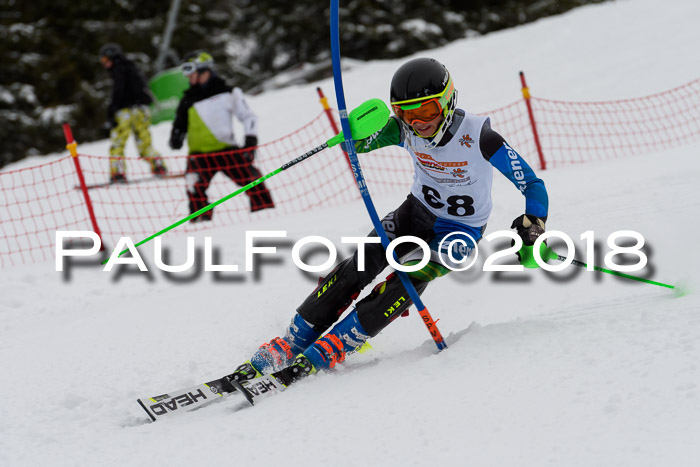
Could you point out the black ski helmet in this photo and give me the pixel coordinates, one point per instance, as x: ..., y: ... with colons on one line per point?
x: 111, y: 50
x: 197, y: 60
x: 422, y: 79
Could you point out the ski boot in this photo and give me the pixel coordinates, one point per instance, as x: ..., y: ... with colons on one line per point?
x: 117, y: 178
x: 272, y: 356
x: 158, y: 168
x: 346, y: 336
x: 279, y: 352
x: 117, y: 170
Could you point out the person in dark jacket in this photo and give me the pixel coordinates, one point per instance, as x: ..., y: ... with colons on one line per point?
x: 205, y: 114
x: 128, y: 111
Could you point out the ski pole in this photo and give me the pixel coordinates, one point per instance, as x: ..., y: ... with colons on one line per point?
x: 546, y: 253
x: 365, y: 120
x: 614, y: 273
x: 360, y: 181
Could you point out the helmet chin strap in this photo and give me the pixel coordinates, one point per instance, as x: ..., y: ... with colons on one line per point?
x: 429, y: 141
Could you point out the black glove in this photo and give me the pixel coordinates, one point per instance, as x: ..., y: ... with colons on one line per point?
x: 529, y: 227
x: 176, y: 138
x: 250, y: 142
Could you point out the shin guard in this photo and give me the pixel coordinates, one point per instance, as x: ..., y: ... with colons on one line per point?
x: 388, y: 301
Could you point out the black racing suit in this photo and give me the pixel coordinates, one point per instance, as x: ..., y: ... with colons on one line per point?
x: 343, y: 285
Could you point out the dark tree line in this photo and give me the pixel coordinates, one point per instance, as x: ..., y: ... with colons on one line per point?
x: 50, y: 71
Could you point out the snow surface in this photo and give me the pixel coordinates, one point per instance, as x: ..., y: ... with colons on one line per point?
x: 568, y: 369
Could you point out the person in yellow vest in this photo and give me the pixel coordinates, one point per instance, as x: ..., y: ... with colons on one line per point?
x: 205, y: 115
x: 128, y: 112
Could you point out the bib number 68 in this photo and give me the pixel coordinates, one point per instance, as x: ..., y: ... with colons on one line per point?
x: 457, y: 205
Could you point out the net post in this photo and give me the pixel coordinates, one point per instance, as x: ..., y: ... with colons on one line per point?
x: 72, y: 146
x: 526, y: 95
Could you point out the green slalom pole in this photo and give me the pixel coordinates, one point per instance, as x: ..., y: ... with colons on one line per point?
x: 365, y: 120
x: 527, y: 259
x: 615, y: 273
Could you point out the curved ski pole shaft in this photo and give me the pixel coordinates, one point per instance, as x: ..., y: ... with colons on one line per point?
x: 615, y: 273
x: 208, y: 207
x: 359, y: 178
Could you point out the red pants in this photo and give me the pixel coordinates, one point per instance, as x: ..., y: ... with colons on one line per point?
x: 235, y: 166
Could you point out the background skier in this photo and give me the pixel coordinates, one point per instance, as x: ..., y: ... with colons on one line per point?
x: 205, y: 114
x: 128, y: 112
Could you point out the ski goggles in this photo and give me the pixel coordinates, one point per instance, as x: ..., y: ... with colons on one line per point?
x: 188, y: 68
x: 424, y: 109
x: 198, y: 61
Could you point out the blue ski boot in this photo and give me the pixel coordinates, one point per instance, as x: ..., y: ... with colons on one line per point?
x: 279, y: 353
x: 346, y: 336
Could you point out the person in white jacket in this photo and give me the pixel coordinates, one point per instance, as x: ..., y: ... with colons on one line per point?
x: 205, y: 115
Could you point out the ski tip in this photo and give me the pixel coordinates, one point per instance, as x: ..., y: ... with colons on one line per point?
x: 143, y: 406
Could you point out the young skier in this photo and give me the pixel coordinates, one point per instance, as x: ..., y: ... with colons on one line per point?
x: 454, y: 154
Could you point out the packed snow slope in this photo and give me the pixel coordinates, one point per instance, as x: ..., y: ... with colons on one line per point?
x: 563, y: 369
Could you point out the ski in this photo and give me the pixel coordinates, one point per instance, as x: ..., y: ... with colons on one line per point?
x: 195, y: 397
x: 186, y: 399
x: 133, y: 181
x: 254, y: 390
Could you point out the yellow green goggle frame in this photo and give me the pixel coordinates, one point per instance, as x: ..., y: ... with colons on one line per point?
x: 442, y: 97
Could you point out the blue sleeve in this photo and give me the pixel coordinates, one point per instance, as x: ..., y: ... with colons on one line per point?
x: 515, y: 169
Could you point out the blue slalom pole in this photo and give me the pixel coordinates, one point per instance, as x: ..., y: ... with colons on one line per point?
x: 360, y: 180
